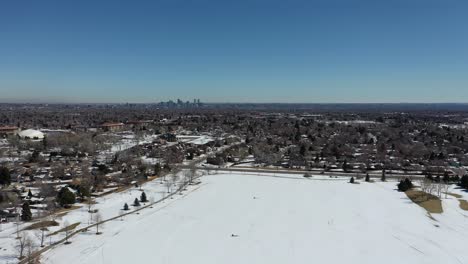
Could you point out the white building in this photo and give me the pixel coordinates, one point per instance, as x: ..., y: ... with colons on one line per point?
x: 31, y: 134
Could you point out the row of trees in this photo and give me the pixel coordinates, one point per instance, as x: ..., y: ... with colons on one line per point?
x: 5, y: 176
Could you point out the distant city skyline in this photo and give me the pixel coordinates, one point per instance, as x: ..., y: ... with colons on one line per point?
x: 332, y: 51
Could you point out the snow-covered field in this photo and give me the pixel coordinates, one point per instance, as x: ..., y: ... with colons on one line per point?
x: 108, y: 206
x: 235, y: 218
x: 196, y: 140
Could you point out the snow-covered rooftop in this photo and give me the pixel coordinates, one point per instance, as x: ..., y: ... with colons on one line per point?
x: 31, y: 134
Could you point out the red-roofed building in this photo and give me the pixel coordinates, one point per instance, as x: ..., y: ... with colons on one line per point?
x: 112, y: 127
x: 8, y: 130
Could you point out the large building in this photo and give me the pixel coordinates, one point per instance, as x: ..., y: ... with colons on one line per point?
x: 8, y: 131
x: 112, y: 127
x: 31, y: 134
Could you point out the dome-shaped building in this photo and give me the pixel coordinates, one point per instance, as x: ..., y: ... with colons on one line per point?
x: 31, y: 134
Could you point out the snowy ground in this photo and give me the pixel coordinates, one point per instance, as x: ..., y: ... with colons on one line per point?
x: 126, y: 141
x: 108, y: 206
x: 282, y: 219
x: 196, y: 140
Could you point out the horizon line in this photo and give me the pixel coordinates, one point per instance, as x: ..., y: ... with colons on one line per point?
x: 227, y: 103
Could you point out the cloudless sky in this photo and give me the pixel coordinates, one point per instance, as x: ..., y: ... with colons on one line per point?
x: 234, y: 51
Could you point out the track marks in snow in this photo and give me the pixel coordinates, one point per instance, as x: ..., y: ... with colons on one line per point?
x: 290, y: 221
x: 409, y: 245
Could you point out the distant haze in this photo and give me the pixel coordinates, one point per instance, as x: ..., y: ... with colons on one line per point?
x: 234, y: 51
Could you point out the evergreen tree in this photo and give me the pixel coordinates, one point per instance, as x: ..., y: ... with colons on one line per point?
x: 297, y: 137
x: 409, y: 183
x: 30, y: 193
x: 45, y: 143
x: 345, y: 166
x: 126, y: 207
x: 34, y: 157
x: 367, y: 177
x: 83, y: 191
x: 455, y: 179
x: 65, y: 197
x: 405, y: 185
x: 5, y: 177
x: 351, y: 180
x: 143, y: 198
x: 464, y: 182
x: 26, y: 214
x: 136, y: 202
x: 446, y: 178
x: 303, y: 150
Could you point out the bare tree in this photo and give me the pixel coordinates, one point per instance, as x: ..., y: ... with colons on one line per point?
x: 438, y: 189
x: 446, y: 188
x: 426, y: 186
x: 97, y: 221
x: 22, y: 244
x: 30, y: 256
x: 18, y: 223
x: 51, y: 208
x: 192, y: 173
x: 168, y: 185
x: 173, y: 155
x: 40, y: 235
x: 46, y: 190
x: 174, y: 179
x: 121, y: 215
x: 182, y: 183
x: 58, y: 170
x: 67, y: 231
x: 90, y: 205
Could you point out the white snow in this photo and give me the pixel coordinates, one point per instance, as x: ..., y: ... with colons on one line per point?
x: 150, y: 161
x: 274, y: 219
x: 127, y: 140
x: 108, y: 206
x: 31, y: 134
x: 195, y: 140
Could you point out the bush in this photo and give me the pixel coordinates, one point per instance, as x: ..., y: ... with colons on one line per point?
x: 65, y: 197
x: 446, y: 179
x: 136, y: 202
x: 103, y: 168
x: 351, y: 180
x: 126, y: 207
x: 464, y: 182
x: 405, y: 185
x: 455, y: 179
x: 83, y: 191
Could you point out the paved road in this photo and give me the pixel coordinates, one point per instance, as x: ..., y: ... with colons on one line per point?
x: 301, y: 172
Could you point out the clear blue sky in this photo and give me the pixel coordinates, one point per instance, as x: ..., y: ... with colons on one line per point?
x: 234, y: 51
